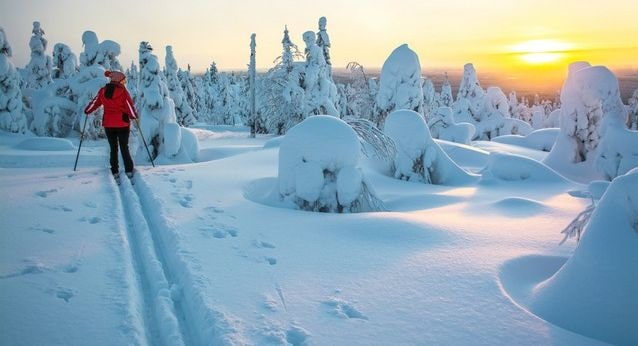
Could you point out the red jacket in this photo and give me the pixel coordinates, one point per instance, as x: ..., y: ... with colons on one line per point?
x: 117, y: 109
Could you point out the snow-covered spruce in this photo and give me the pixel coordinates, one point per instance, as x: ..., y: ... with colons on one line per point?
x: 12, y: 116
x: 157, y: 114
x: 418, y: 157
x: 323, y: 41
x: 442, y: 126
x: 320, y: 92
x: 400, y: 83
x: 132, y: 81
x: 594, y: 293
x: 319, y: 168
x: 183, y: 110
x: 103, y: 53
x: 632, y: 122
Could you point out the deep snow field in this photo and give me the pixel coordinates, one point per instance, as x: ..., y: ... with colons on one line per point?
x: 202, y: 254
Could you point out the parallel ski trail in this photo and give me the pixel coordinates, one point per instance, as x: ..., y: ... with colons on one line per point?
x: 163, y: 325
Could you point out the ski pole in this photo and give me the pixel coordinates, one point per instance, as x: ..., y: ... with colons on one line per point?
x: 137, y: 121
x: 80, y: 146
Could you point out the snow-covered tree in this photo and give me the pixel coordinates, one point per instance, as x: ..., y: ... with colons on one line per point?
x: 320, y: 92
x: 633, y: 111
x: 185, y: 116
x: 12, y: 117
x: 360, y: 96
x: 157, y: 113
x: 591, y: 104
x: 319, y: 168
x: 38, y: 70
x: 323, y: 41
x: 187, y: 81
x: 429, y: 96
x: 400, y: 83
x: 446, y: 99
x: 65, y: 63
x: 103, y: 53
x: 418, y: 157
x: 281, y: 94
x: 132, y: 81
x: 443, y: 126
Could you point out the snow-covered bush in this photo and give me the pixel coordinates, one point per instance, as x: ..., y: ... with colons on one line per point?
x: 591, y: 105
x: 400, y: 83
x: 418, y: 157
x: 360, y: 97
x: 319, y: 168
x: 594, y: 293
x: 183, y: 110
x: 12, y: 117
x: 618, y: 151
x: 442, y: 126
x: 320, y: 92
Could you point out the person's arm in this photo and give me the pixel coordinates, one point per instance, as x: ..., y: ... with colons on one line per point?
x: 94, y: 104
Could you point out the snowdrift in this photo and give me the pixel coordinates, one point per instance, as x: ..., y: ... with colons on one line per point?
x: 594, y: 293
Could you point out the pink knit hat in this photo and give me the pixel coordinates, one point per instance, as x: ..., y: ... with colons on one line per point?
x: 116, y: 76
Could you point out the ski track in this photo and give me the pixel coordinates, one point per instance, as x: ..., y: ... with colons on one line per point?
x: 172, y: 294
x: 162, y: 325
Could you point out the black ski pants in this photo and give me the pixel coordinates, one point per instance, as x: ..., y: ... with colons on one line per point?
x: 119, y: 135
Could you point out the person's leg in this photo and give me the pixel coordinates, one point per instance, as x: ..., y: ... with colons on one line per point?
x: 123, y: 136
x: 111, y: 135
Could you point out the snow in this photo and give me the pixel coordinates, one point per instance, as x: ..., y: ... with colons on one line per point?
x: 186, y: 256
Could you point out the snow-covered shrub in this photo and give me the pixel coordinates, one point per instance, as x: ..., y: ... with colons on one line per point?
x: 360, y: 97
x: 12, y: 117
x: 418, y: 157
x: 320, y: 92
x: 442, y: 126
x: 319, y: 168
x: 594, y: 293
x: 183, y: 110
x: 400, y: 83
x: 618, y: 151
x: 591, y: 105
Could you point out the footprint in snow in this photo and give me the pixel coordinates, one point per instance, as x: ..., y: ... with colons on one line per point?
x: 45, y: 194
x: 263, y: 244
x: 91, y: 220
x: 64, y: 293
x: 343, y: 309
x: 42, y: 229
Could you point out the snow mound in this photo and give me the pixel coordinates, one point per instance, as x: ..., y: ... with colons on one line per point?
x: 319, y: 168
x: 594, y: 293
x: 273, y: 142
x: 418, y: 157
x: 542, y: 139
x: 511, y: 167
x: 45, y: 144
x: 518, y: 206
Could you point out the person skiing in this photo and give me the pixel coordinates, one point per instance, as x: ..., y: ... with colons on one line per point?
x: 118, y: 112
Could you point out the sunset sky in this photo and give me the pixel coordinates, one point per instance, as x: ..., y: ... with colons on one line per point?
x: 531, y: 36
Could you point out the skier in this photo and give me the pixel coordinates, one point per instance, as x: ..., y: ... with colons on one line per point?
x: 118, y: 110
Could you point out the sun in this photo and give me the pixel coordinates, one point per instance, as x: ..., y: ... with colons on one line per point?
x: 541, y: 52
